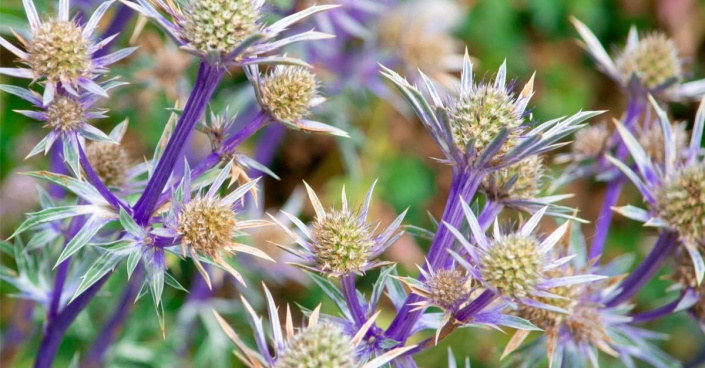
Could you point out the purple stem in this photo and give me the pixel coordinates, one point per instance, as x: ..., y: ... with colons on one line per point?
x: 96, y: 354
x: 476, y: 306
x: 665, y: 244
x: 97, y: 183
x: 635, y: 107
x: 268, y: 145
x: 206, y: 82
x: 122, y: 16
x: 228, y: 147
x: 56, y: 165
x: 465, y: 184
x: 62, y: 272
x: 347, y: 284
x: 658, y: 312
x: 54, y: 332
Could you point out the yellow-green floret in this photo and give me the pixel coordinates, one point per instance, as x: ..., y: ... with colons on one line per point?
x: 321, y: 346
x: 341, y: 244
x: 513, y: 265
x: 59, y: 51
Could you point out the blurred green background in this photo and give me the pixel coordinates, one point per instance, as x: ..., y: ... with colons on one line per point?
x: 533, y: 35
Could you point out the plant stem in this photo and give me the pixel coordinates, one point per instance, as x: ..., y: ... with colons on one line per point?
x: 54, y: 333
x: 665, y: 244
x: 635, y: 107
x: 347, y: 284
x: 465, y: 184
x: 96, y: 354
x: 206, y: 82
x: 94, y: 179
x: 658, y: 312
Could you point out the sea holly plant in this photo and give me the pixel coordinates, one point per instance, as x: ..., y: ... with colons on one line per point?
x: 505, y: 254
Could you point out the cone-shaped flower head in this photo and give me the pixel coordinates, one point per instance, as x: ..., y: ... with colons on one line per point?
x: 60, y: 51
x: 523, y: 180
x: 226, y: 31
x: 340, y: 242
x: 110, y: 161
x: 447, y: 289
x: 652, y: 60
x: 590, y: 142
x: 651, y: 138
x: 287, y: 94
x: 673, y: 189
x: 321, y: 346
x: 546, y: 319
x: 322, y: 342
x: 516, y: 265
x: 207, y: 224
x: 483, y: 126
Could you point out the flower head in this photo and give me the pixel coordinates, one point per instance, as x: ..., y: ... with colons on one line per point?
x: 110, y: 161
x: 651, y: 138
x: 206, y: 225
x: 516, y: 265
x: 320, y: 343
x: 287, y: 94
x: 523, y: 180
x: 483, y: 125
x: 673, y: 189
x: 590, y: 142
x: 226, y: 31
x: 60, y: 52
x: 340, y: 242
x: 447, y: 289
x: 652, y: 60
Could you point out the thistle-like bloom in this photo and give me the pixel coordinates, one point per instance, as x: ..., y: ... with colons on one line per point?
x: 60, y: 52
x: 287, y: 94
x: 66, y: 116
x: 652, y: 60
x: 651, y: 138
x: 675, y: 190
x: 226, y: 31
x: 207, y: 224
x: 340, y: 242
x: 516, y: 265
x: 483, y: 126
x: 319, y: 344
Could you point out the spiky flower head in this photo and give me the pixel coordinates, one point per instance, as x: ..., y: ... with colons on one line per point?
x: 218, y: 25
x: 651, y: 138
x: 323, y: 342
x: 680, y: 202
x: 674, y: 189
x: 60, y: 52
x: 110, y: 161
x: 447, y: 289
x: 340, y: 242
x: 321, y: 346
x: 590, y: 142
x: 287, y: 91
x: 653, y: 59
x: 287, y: 94
x: 523, y: 180
x: 227, y: 32
x: 567, y: 299
x: 65, y: 114
x: 515, y: 265
x: 206, y: 225
x: 483, y: 125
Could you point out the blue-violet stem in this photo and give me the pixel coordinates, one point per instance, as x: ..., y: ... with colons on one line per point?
x: 465, y: 184
x: 665, y: 244
x: 659, y: 312
x: 347, y: 283
x: 96, y: 354
x: 98, y: 184
x: 206, y: 82
x: 54, y: 333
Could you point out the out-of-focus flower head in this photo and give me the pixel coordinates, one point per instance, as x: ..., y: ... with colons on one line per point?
x: 164, y: 70
x: 650, y: 137
x: 587, y: 325
x: 60, y: 52
x: 206, y: 224
x: 287, y: 94
x: 517, y: 265
x: 418, y: 34
x: 652, y: 60
x: 674, y: 190
x: 483, y: 126
x: 66, y: 116
x: 226, y: 31
x: 319, y: 344
x: 684, y: 276
x: 340, y: 242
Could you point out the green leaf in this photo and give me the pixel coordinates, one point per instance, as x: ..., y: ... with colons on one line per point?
x: 132, y: 260
x: 52, y: 214
x: 331, y: 291
x: 130, y: 225
x: 71, y: 156
x: 118, y: 246
x: 104, y: 264
x: 80, y: 188
x: 87, y: 232
x: 171, y: 281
